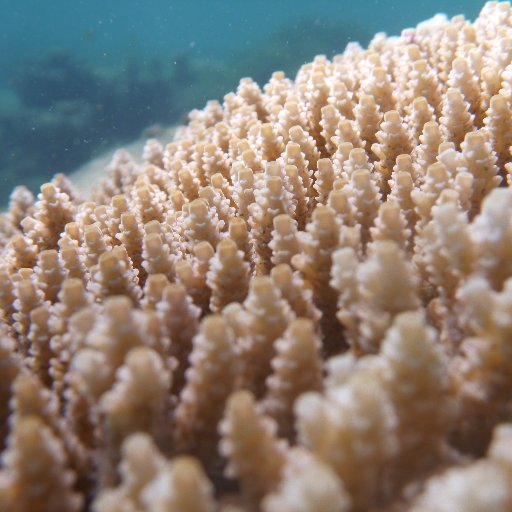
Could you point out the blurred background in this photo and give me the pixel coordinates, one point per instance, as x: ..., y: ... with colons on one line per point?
x: 78, y: 77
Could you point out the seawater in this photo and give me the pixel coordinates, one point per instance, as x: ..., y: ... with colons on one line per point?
x: 79, y: 76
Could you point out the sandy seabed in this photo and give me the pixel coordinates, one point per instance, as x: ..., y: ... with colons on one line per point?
x: 92, y: 172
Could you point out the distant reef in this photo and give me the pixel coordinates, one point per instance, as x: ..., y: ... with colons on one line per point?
x: 58, y: 112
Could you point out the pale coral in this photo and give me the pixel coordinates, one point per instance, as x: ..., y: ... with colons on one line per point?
x: 303, y: 302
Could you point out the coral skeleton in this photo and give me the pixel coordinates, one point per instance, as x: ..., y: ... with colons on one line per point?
x: 302, y: 303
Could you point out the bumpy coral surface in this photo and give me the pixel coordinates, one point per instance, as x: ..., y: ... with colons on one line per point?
x: 301, y: 304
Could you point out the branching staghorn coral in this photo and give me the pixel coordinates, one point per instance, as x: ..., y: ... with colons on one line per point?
x: 483, y: 485
x: 302, y: 303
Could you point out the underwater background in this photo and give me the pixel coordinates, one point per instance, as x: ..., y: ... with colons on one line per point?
x: 80, y: 76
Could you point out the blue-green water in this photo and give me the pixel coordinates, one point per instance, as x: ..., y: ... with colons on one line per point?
x: 78, y: 76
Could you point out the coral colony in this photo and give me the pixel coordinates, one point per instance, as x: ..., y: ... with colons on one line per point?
x: 301, y: 304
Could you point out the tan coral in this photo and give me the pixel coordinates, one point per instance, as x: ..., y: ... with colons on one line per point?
x: 228, y: 277
x: 332, y: 429
x: 141, y: 463
x: 46, y: 485
x: 209, y: 381
x: 308, y: 485
x: 179, y: 315
x: 255, y: 456
x: 182, y: 485
x: 362, y: 207
x: 483, y: 485
x: 137, y: 402
x: 297, y: 368
x: 10, y: 364
x: 268, y: 317
x: 408, y: 349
